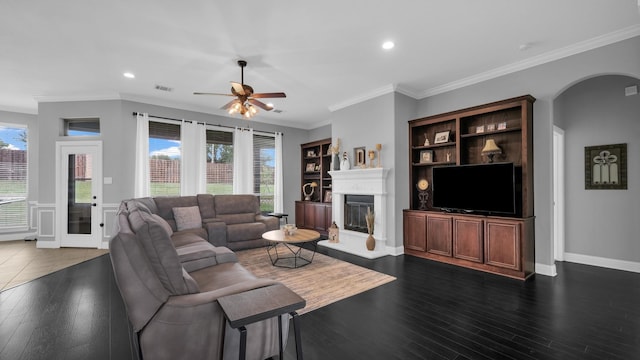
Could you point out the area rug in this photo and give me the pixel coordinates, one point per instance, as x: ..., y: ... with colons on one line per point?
x: 324, y: 281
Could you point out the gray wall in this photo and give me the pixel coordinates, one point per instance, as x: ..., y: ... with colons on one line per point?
x: 118, y: 129
x: 601, y: 223
x: 545, y: 82
x: 366, y: 124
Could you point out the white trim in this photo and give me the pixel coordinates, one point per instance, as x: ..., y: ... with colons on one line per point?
x: 364, y: 97
x: 106, y: 233
x: 590, y: 44
x: 547, y: 270
x: 53, y: 224
x: 559, y: 194
x: 33, y: 213
x: 16, y: 236
x: 617, y: 264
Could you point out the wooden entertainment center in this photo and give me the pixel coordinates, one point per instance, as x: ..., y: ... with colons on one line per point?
x: 502, y: 245
x: 315, y: 213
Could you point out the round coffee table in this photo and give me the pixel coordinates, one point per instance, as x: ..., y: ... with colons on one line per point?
x: 292, y: 247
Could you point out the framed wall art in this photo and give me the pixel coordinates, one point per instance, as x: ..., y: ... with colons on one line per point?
x: 605, y: 167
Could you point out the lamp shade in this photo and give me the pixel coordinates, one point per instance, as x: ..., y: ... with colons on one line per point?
x: 490, y: 147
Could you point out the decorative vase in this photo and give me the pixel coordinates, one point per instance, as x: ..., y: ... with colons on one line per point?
x: 371, y: 243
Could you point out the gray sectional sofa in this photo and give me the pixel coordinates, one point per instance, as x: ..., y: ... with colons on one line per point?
x: 171, y: 268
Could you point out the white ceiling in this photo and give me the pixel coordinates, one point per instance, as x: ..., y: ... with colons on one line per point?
x: 324, y: 54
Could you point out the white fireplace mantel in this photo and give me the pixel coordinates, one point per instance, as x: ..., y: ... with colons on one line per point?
x: 369, y: 181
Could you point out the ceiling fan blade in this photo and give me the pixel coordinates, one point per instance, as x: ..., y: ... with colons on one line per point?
x: 260, y: 104
x: 269, y: 95
x: 239, y: 89
x: 229, y: 104
x: 207, y: 93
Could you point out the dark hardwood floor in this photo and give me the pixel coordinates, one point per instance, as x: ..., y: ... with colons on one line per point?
x: 432, y: 311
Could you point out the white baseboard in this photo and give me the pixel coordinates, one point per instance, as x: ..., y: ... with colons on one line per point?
x: 17, y: 236
x: 48, y: 244
x: 547, y: 270
x: 603, y: 262
x: 395, y: 251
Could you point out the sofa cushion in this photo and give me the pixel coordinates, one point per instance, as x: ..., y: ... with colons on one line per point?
x: 231, y: 219
x: 236, y: 204
x: 186, y: 237
x: 221, y: 276
x: 206, y: 205
x: 165, y: 225
x: 240, y: 232
x: 165, y: 205
x: 160, y: 251
x: 187, y: 217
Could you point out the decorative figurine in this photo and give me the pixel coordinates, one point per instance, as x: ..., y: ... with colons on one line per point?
x: 345, y: 164
x: 379, y: 147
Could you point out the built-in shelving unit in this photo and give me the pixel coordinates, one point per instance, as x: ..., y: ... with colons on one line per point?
x: 315, y: 164
x: 497, y: 244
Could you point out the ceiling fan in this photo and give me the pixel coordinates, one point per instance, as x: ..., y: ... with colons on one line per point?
x: 245, y: 102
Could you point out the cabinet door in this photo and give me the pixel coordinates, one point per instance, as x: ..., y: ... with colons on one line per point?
x: 439, y: 234
x: 309, y: 215
x: 320, y: 219
x: 328, y: 217
x: 415, y: 232
x: 502, y: 244
x: 300, y: 214
x: 467, y: 239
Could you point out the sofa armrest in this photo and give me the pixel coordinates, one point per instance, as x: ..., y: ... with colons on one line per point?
x: 272, y: 223
x: 213, y: 295
x: 217, y: 231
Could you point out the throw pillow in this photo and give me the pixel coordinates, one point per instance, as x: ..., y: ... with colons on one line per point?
x: 187, y: 217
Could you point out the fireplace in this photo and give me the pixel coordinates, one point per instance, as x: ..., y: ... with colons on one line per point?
x: 355, y: 211
x: 354, y: 191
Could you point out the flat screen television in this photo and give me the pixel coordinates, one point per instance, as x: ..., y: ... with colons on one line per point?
x: 483, y: 188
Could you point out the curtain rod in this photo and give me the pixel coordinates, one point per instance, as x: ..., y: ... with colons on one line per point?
x: 135, y: 113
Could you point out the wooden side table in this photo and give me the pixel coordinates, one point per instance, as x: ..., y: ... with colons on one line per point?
x: 260, y: 304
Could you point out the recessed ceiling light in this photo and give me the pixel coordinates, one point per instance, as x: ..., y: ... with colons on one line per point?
x: 129, y: 75
x: 388, y: 45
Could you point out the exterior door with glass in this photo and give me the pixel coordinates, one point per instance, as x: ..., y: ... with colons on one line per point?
x: 79, y: 193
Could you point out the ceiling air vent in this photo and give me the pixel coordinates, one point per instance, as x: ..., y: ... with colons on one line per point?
x: 163, y: 88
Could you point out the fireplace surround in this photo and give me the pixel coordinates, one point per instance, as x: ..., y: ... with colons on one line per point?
x: 370, y: 182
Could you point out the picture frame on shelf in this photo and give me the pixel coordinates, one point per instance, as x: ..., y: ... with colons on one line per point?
x: 442, y: 137
x: 491, y: 127
x: 426, y: 156
x: 328, y: 196
x: 359, y: 156
x: 311, y: 167
x: 479, y: 129
x: 502, y: 125
x: 311, y: 153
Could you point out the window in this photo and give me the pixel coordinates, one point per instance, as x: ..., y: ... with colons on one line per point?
x: 82, y: 127
x: 13, y: 176
x: 264, y: 165
x: 164, y: 158
x: 219, y: 162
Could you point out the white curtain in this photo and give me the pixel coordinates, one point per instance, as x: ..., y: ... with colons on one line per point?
x: 193, y: 140
x: 243, y: 161
x: 141, y: 178
x: 278, y: 192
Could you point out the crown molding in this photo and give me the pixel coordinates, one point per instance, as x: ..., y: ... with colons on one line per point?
x: 78, y: 97
x: 577, y: 48
x: 363, y: 97
x: 19, y: 110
